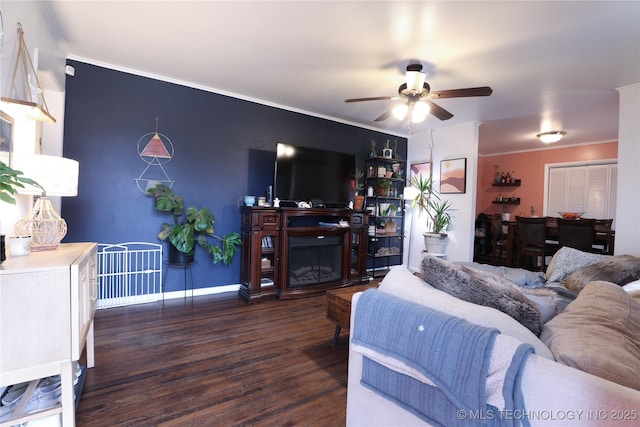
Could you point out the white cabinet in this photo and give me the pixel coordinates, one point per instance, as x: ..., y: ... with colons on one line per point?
x: 47, y: 303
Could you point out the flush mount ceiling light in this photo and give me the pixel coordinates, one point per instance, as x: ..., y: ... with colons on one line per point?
x: 551, y: 136
x: 25, y: 96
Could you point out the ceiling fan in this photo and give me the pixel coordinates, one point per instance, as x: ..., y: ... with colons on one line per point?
x: 418, y: 94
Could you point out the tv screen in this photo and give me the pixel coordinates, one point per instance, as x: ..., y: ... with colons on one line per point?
x: 323, y: 177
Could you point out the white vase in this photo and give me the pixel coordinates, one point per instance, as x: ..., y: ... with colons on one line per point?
x: 435, y: 243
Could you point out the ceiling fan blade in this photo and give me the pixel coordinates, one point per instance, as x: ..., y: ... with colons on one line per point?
x: 384, y: 116
x: 462, y: 93
x: 373, y: 98
x: 438, y: 111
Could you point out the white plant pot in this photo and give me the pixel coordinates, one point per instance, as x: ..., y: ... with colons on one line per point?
x: 435, y: 243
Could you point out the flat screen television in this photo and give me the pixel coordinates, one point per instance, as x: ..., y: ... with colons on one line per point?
x: 323, y: 177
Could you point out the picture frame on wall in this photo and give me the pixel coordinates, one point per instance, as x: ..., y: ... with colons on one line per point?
x: 453, y: 176
x: 6, y: 137
x: 417, y: 169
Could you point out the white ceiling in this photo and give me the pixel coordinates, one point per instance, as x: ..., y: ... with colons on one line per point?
x: 551, y: 64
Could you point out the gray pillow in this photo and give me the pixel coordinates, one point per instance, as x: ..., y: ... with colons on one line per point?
x: 463, y: 284
x: 567, y: 260
x: 621, y: 269
x: 546, y: 299
x: 519, y: 276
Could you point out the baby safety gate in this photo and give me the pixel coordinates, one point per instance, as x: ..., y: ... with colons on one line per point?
x: 129, y: 273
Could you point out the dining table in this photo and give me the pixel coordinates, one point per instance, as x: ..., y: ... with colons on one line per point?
x: 603, y: 237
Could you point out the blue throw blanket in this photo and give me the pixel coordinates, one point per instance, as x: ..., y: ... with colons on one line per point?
x: 409, y: 332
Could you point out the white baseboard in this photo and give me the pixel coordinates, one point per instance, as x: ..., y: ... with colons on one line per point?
x: 143, y: 299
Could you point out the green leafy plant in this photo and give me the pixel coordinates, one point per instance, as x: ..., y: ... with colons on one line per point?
x: 192, y: 226
x: 359, y: 184
x: 390, y: 210
x: 383, y: 187
x: 428, y: 201
x: 10, y: 181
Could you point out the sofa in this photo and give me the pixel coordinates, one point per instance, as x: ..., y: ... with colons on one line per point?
x: 518, y: 370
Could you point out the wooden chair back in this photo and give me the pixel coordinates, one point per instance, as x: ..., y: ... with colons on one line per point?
x: 604, y: 235
x: 532, y: 238
x: 576, y: 233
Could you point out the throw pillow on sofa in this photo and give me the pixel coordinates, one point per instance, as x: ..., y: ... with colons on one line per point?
x: 546, y: 299
x: 599, y: 333
x: 461, y: 283
x: 567, y: 260
x: 621, y: 269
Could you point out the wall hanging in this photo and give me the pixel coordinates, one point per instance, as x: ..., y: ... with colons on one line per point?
x: 155, y: 149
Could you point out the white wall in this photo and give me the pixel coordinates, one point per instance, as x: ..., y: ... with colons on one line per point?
x: 628, y: 202
x: 453, y: 142
x: 43, y: 137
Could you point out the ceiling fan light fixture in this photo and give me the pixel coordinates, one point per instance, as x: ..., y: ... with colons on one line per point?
x: 400, y: 111
x: 420, y: 112
x: 551, y: 136
x: 415, y: 81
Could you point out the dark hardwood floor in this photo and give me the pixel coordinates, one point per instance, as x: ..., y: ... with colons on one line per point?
x: 221, y: 362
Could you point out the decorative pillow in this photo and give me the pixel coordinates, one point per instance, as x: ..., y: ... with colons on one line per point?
x: 599, y: 333
x: 567, y: 260
x: 620, y: 270
x: 546, y: 299
x: 400, y: 282
x: 461, y: 283
x: 519, y: 276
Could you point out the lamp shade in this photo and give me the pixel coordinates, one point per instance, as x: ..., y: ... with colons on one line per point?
x: 57, y: 175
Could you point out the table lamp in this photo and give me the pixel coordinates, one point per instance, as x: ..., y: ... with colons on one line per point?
x: 59, y: 177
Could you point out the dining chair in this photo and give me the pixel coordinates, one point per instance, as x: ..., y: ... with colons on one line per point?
x: 532, y: 242
x: 604, y: 236
x: 576, y: 233
x: 498, y: 241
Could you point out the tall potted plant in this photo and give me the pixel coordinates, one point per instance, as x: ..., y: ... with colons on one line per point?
x: 190, y: 227
x: 438, y: 212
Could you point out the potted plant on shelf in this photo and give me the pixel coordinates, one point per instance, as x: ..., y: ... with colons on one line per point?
x: 383, y: 187
x: 390, y: 224
x: 358, y: 198
x: 190, y: 227
x: 438, y: 212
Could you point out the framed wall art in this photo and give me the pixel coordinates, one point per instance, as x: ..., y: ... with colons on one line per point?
x: 453, y: 176
x: 417, y: 169
x: 6, y: 137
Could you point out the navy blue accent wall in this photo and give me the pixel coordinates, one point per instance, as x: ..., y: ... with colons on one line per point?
x: 224, y: 149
